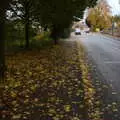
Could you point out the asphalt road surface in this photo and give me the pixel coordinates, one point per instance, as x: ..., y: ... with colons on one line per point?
x: 105, y: 54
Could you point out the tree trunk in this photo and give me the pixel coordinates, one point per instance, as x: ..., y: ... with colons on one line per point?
x: 54, y: 35
x: 45, y: 28
x: 27, y: 35
x: 55, y: 41
x: 2, y: 45
x: 27, y: 44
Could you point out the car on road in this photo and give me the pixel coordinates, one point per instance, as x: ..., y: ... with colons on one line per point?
x: 77, y: 31
x: 87, y: 31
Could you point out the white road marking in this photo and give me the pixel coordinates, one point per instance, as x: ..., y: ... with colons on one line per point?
x: 112, y: 62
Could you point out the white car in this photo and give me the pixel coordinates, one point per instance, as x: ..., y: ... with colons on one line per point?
x: 77, y: 31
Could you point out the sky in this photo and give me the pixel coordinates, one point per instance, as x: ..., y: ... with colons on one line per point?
x: 115, y: 6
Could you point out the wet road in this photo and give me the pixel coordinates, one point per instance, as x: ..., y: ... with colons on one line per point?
x: 105, y: 52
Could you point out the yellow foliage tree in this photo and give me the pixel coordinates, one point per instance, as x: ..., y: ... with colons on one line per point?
x: 99, y: 16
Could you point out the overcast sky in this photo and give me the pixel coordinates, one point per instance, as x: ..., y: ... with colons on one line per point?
x: 115, y: 4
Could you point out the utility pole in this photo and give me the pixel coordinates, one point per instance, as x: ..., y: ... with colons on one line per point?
x: 112, y: 26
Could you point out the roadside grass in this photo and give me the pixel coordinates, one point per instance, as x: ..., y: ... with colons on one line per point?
x: 40, y: 41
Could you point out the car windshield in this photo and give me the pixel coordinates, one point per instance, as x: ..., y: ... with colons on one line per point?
x: 77, y: 30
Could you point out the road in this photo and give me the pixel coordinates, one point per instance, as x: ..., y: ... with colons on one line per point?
x: 105, y: 54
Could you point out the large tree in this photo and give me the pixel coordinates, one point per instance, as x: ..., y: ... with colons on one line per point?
x: 21, y: 9
x: 58, y: 15
x: 3, y: 6
x: 99, y: 16
x: 52, y: 14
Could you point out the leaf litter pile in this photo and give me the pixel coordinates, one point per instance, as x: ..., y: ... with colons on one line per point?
x: 49, y: 84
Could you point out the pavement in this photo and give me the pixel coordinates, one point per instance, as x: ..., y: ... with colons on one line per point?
x: 104, y: 53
